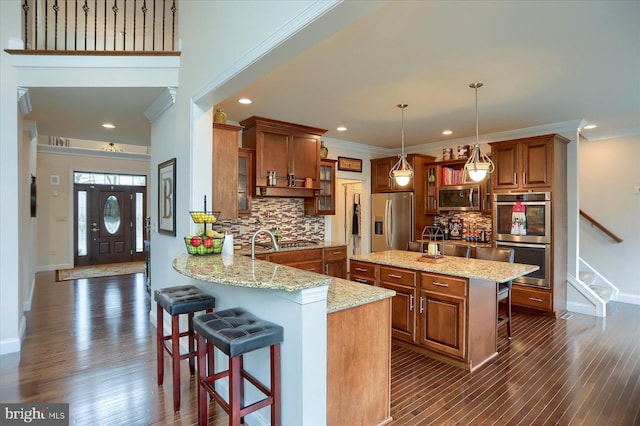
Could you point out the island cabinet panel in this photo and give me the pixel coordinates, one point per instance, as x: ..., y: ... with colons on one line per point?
x: 403, y: 316
x: 359, y: 365
x: 442, y: 314
x: 335, y: 261
x: 362, y: 272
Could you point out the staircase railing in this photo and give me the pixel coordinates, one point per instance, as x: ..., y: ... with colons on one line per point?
x: 99, y: 25
x: 601, y: 227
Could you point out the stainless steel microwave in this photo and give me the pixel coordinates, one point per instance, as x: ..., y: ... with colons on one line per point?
x: 459, y: 198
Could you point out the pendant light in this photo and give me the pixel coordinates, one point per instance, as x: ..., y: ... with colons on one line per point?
x: 402, y: 171
x: 478, y: 164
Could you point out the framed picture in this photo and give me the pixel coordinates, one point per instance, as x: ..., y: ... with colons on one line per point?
x: 167, y: 197
x: 350, y: 164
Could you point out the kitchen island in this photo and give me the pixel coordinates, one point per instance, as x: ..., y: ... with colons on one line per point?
x: 446, y: 309
x: 329, y: 327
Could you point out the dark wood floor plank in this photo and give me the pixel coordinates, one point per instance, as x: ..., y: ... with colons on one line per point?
x: 90, y: 343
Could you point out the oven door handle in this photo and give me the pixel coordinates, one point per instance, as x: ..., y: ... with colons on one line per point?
x: 523, y: 245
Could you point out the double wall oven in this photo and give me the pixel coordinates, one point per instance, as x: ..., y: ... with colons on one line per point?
x: 534, y: 248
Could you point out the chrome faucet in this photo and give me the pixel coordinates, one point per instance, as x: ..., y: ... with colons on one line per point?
x: 253, y: 241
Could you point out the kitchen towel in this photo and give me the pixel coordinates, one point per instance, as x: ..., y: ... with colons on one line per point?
x: 519, y: 219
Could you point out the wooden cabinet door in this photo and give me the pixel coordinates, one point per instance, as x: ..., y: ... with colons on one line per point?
x: 245, y: 181
x: 506, y: 160
x: 224, y: 168
x: 431, y: 189
x: 380, y: 181
x: 304, y: 158
x: 325, y: 202
x: 537, y: 160
x: 403, y: 316
x: 442, y: 323
x: 273, y: 149
x: 335, y: 262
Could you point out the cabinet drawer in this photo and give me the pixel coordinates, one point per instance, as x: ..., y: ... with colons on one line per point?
x: 363, y: 269
x: 444, y: 285
x: 314, y: 266
x: 397, y: 276
x: 358, y: 279
x: 531, y: 298
x: 285, y: 258
x: 337, y: 253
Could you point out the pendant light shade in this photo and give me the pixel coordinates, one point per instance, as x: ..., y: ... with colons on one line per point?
x: 478, y: 165
x: 402, y: 171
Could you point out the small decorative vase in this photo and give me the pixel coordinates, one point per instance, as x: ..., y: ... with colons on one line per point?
x: 324, y: 151
x: 220, y: 116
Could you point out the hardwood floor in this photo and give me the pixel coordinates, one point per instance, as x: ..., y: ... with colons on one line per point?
x: 89, y: 343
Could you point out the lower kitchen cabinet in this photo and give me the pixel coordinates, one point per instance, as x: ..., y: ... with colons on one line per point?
x: 403, y: 282
x: 330, y: 261
x: 362, y: 272
x: 442, y: 323
x: 335, y: 261
x: 531, y: 298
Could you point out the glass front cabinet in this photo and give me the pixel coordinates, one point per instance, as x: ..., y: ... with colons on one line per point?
x: 325, y: 202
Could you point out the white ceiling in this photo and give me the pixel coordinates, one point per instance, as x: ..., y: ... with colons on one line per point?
x: 541, y: 63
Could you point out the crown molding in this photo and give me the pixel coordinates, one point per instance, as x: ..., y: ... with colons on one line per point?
x: 24, y: 100
x: 87, y: 152
x: 162, y: 103
x: 612, y: 134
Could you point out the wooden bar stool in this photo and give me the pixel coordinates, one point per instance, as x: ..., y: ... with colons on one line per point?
x: 236, y: 332
x: 176, y: 301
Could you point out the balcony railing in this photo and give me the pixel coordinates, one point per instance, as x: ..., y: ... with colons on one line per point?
x: 100, y: 25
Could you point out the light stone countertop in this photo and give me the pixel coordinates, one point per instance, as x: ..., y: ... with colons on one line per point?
x: 455, y: 266
x: 241, y: 271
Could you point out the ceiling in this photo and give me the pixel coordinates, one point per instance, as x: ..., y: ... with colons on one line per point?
x: 541, y: 63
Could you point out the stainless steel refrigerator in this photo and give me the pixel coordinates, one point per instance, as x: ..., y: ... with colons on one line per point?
x: 391, y: 221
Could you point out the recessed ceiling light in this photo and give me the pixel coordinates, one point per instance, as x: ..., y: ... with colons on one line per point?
x: 245, y: 101
x: 590, y: 126
x: 108, y: 126
x: 341, y: 128
x: 447, y: 132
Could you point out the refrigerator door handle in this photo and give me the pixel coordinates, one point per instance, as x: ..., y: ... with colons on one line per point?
x: 388, y: 212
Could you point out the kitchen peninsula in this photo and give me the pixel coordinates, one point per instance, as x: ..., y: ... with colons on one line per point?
x: 447, y: 310
x: 330, y: 325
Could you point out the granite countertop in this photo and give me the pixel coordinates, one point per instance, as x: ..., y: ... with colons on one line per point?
x: 455, y: 266
x: 461, y: 243
x: 241, y: 271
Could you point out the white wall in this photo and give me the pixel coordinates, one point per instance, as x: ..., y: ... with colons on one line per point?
x: 609, y: 170
x: 55, y: 202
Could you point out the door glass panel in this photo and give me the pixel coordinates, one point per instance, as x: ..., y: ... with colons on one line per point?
x: 112, y: 214
x: 82, y: 223
x: 139, y: 226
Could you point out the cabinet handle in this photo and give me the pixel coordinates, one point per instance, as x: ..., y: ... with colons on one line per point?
x: 361, y: 269
x: 360, y: 280
x: 394, y: 276
x: 524, y: 177
x: 515, y: 178
x: 410, y: 302
x: 440, y: 284
x: 535, y: 299
x: 326, y: 269
x: 421, y: 307
x: 311, y: 269
x: 337, y: 252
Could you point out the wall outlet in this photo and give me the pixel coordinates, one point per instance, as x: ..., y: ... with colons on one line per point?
x: 636, y: 189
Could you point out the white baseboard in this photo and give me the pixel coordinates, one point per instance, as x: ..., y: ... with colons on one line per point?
x: 581, y: 308
x: 48, y: 268
x: 9, y: 346
x: 634, y: 299
x: 26, y: 306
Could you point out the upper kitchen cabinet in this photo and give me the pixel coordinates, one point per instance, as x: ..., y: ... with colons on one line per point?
x: 325, y: 202
x: 526, y: 164
x: 286, y: 156
x: 224, y: 182
x: 381, y: 182
x: 245, y: 181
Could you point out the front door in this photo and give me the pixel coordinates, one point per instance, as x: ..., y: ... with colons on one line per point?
x: 109, y: 221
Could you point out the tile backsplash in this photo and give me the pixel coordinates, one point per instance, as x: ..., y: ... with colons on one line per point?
x: 287, y: 214
x: 476, y: 220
